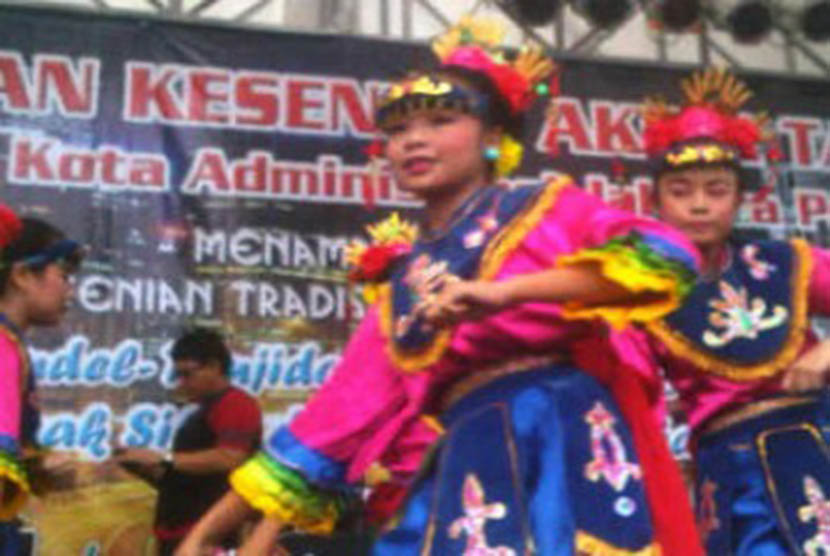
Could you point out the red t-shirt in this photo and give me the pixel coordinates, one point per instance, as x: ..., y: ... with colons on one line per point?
x: 230, y: 419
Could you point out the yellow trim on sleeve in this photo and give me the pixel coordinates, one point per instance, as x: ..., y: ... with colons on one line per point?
x: 262, y: 491
x: 684, y: 348
x: 618, y: 268
x: 12, y: 476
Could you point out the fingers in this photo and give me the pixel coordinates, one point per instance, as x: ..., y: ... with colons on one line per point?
x: 441, y: 315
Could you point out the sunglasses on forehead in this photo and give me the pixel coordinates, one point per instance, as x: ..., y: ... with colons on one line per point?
x: 66, y: 252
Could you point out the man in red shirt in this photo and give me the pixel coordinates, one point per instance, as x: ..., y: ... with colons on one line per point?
x: 218, y: 436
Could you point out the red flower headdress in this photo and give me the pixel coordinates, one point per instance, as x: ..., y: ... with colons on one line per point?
x: 10, y: 226
x: 475, y: 44
x: 707, y: 128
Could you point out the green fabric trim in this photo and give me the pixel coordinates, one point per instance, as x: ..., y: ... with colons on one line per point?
x: 314, y: 500
x: 639, y: 254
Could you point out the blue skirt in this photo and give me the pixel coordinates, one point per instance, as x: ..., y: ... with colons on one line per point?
x: 763, y: 485
x: 538, y: 462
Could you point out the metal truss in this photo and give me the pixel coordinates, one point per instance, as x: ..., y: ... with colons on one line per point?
x: 417, y: 20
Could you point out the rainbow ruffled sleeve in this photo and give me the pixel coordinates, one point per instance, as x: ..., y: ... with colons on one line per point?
x: 364, y: 418
x: 14, y: 479
x: 279, y: 491
x: 639, y: 254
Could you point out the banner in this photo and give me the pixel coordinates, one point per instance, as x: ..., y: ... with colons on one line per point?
x: 216, y: 174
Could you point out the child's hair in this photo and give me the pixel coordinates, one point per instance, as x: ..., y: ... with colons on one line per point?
x: 498, y: 109
x: 27, y: 238
x: 203, y: 346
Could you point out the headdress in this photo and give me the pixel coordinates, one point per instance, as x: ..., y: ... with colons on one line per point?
x: 66, y: 251
x: 707, y: 128
x: 10, y: 226
x: 475, y: 45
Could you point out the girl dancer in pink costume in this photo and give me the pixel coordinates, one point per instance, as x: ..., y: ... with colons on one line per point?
x: 483, y: 359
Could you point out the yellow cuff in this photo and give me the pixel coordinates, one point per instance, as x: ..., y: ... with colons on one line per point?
x: 620, y: 267
x: 15, y: 487
x: 282, y: 493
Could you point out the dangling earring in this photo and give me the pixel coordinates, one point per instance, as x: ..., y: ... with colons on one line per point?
x: 492, y: 153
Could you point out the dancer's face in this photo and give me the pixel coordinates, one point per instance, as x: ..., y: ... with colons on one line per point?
x: 701, y: 202
x: 46, y: 292
x: 436, y: 151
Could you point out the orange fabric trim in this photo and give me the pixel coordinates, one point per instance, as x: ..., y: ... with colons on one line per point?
x: 509, y: 238
x: 433, y: 423
x: 405, y: 360
x: 800, y: 281
x: 589, y: 544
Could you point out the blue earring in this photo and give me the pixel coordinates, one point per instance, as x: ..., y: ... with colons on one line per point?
x: 492, y: 153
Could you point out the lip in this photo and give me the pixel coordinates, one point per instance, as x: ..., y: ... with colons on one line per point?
x: 418, y: 165
x: 699, y: 226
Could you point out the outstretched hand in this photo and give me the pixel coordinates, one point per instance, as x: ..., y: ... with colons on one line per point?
x: 462, y: 300
x: 811, y: 371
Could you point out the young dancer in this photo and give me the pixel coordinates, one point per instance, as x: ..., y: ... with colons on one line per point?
x: 35, y: 263
x: 740, y: 350
x: 482, y: 360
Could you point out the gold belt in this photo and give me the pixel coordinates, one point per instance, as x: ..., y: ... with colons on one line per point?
x: 488, y: 374
x: 752, y: 409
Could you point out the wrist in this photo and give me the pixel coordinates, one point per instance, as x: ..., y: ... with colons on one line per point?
x: 507, y: 293
x: 168, y: 462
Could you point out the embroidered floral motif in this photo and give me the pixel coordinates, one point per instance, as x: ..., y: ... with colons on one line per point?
x: 425, y: 276
x: 425, y: 279
x: 758, y: 269
x: 818, y: 508
x: 707, y: 519
x: 739, y: 318
x: 476, y: 514
x: 607, y: 447
x: 486, y: 225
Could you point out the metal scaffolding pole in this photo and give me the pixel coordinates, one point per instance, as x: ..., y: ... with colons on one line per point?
x: 396, y: 19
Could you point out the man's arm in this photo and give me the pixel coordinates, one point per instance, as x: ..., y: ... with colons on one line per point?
x: 150, y: 474
x: 149, y: 464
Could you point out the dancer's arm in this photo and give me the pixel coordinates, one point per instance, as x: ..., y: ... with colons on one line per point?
x: 224, y: 516
x: 264, y: 540
x: 811, y: 370
x: 464, y: 300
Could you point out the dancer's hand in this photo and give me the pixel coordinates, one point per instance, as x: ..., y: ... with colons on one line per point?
x: 810, y: 371
x: 463, y: 300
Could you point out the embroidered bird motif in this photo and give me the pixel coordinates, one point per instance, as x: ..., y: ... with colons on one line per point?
x: 818, y: 509
x: 610, y: 460
x: 739, y: 317
x: 708, y: 514
x: 758, y: 269
x: 476, y: 514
